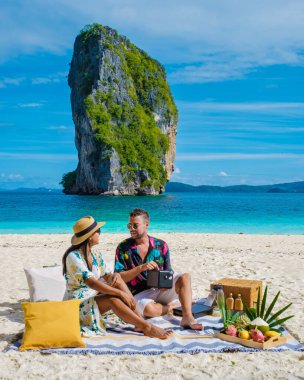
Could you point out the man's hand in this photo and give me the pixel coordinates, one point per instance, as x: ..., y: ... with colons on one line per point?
x: 128, y: 300
x: 151, y: 265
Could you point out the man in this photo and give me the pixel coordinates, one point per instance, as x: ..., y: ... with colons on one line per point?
x: 141, y: 253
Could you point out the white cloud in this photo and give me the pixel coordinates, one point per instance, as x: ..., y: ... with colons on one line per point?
x: 39, y: 156
x: 12, y: 177
x: 52, y: 78
x: 230, y: 66
x: 242, y: 107
x: 15, y: 177
x: 4, y: 82
x: 44, y: 80
x: 30, y: 105
x: 237, y: 156
x: 225, y: 39
x: 59, y: 127
x: 223, y: 174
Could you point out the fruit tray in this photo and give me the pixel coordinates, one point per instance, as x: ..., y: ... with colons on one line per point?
x: 272, y: 342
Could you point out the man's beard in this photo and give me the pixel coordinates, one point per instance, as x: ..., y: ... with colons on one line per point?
x: 139, y: 236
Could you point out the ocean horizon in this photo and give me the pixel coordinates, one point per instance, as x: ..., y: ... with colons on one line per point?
x: 248, y: 213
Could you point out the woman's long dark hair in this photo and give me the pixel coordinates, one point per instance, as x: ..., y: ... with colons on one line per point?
x: 83, y: 247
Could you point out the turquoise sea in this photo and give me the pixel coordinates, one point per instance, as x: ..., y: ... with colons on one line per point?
x: 171, y: 212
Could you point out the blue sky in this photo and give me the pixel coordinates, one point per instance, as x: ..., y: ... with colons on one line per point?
x: 236, y: 70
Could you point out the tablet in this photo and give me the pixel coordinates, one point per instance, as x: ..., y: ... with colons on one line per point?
x: 198, y: 310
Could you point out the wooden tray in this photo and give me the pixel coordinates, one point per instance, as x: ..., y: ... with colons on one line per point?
x: 272, y: 342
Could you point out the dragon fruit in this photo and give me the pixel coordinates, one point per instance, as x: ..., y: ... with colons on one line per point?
x: 231, y: 330
x: 257, y: 336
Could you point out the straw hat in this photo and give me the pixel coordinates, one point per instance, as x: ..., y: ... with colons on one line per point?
x: 84, y: 228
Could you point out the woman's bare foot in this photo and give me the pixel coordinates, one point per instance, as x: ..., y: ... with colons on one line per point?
x: 156, y: 332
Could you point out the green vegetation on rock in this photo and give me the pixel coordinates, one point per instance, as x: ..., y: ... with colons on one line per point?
x: 134, y: 135
x: 149, y: 75
x: 68, y: 180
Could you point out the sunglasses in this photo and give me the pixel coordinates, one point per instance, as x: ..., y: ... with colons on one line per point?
x: 132, y: 225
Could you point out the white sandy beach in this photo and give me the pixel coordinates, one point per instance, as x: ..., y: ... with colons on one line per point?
x: 276, y: 259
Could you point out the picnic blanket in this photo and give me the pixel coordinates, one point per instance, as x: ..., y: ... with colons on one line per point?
x: 122, y: 340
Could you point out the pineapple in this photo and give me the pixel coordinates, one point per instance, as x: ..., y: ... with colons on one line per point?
x: 242, y: 321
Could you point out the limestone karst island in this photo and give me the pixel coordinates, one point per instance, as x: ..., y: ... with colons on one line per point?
x: 124, y: 115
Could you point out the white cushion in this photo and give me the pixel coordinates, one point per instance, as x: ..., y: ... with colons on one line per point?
x: 45, y: 284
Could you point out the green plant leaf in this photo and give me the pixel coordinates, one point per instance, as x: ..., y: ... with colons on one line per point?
x: 263, y: 303
x: 277, y: 330
x: 274, y: 316
x: 280, y: 321
x: 223, y: 311
x: 253, y: 312
x: 247, y: 312
x: 229, y: 315
x: 258, y: 303
x: 234, y: 318
x: 271, y: 306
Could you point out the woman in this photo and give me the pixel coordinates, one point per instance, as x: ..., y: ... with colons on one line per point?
x: 88, y: 279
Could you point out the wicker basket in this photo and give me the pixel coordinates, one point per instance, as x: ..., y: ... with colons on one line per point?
x: 247, y: 288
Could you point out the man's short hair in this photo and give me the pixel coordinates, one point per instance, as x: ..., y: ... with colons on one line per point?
x: 140, y: 212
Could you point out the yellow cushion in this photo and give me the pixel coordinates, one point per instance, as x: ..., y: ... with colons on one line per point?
x: 51, y: 324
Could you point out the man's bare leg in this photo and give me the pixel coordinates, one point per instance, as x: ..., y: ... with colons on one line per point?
x: 155, y: 309
x: 184, y: 292
x: 107, y: 302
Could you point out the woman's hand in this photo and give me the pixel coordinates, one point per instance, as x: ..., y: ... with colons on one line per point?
x: 114, y: 279
x: 128, y: 300
x: 151, y: 265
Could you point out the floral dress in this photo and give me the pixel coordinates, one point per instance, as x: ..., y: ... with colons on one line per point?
x: 77, y: 273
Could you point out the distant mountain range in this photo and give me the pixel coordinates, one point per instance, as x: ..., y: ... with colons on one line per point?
x: 292, y: 187
x: 178, y: 187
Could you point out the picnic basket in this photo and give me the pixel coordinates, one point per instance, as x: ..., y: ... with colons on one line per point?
x: 247, y: 288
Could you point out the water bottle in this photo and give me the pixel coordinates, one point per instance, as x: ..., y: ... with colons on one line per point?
x: 219, y: 296
x: 211, y: 298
